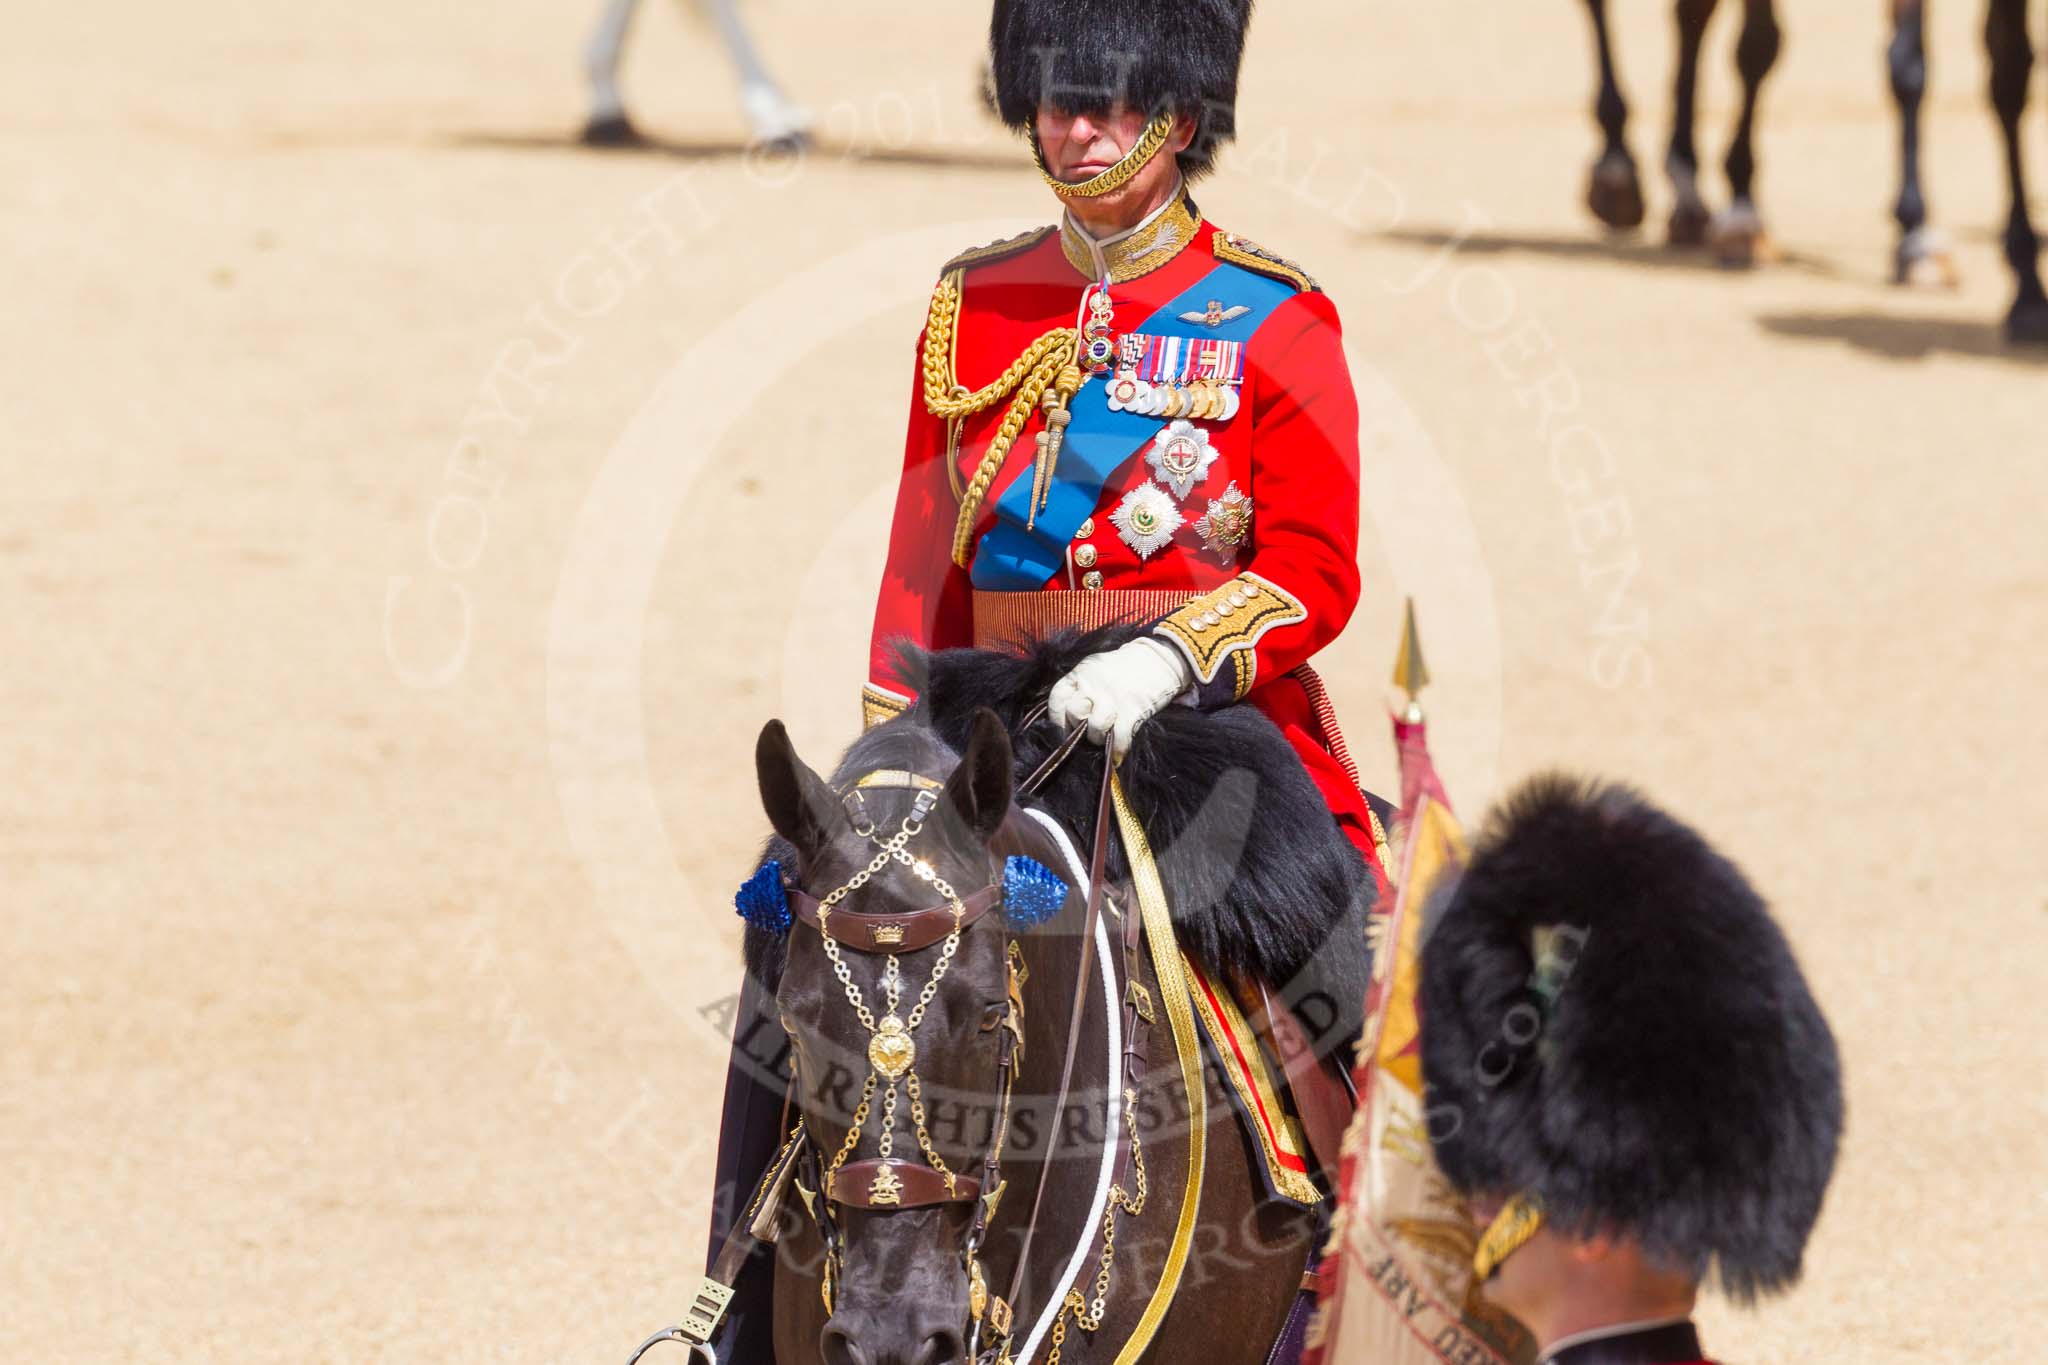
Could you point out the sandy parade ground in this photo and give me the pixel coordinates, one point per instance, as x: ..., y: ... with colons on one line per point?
x: 411, y: 518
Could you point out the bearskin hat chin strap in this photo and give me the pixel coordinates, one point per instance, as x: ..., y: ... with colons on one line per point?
x: 1520, y: 1219
x: 1116, y: 177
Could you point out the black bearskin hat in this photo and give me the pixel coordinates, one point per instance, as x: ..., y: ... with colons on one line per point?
x: 1088, y: 55
x: 1613, y: 1023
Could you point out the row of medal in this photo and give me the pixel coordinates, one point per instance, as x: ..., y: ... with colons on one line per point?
x: 1177, y: 377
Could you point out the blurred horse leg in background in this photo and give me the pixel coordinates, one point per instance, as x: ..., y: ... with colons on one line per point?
x: 1689, y: 215
x: 1616, y: 193
x: 1737, y: 235
x: 2012, y: 67
x: 1924, y: 256
x: 771, y: 116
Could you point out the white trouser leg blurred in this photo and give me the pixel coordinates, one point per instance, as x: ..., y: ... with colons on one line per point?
x: 769, y: 112
x: 607, y: 121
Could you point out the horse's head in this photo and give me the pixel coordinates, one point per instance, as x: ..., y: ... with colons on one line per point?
x: 897, y: 996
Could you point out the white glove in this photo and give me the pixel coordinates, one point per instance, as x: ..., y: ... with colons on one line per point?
x: 1115, y: 692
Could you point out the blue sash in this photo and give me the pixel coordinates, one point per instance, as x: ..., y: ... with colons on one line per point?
x: 1013, y: 558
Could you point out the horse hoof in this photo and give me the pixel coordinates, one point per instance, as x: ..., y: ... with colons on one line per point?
x: 2027, y: 324
x: 1688, y: 224
x: 611, y: 130
x: 1616, y: 193
x: 1738, y: 240
x: 1925, y: 260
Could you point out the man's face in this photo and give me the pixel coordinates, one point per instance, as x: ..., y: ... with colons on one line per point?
x: 1078, y: 147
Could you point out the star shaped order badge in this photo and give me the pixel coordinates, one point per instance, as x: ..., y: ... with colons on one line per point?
x: 1146, y: 519
x: 1227, y: 524
x: 1180, y: 457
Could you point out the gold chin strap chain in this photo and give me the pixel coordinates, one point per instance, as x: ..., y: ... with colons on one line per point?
x: 1046, y: 374
x: 1087, y: 1313
x: 1518, y: 1220
x: 1117, y: 176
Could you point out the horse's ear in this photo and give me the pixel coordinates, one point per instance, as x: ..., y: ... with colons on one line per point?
x: 979, y: 789
x: 799, y: 804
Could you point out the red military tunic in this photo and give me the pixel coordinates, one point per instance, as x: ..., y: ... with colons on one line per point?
x: 1247, y: 600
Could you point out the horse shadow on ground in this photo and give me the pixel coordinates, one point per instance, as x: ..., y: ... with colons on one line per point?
x: 1899, y: 336
x: 1891, y: 336
x: 819, y: 149
x: 1629, y: 249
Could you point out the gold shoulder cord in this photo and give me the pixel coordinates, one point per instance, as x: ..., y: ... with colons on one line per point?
x: 1046, y: 373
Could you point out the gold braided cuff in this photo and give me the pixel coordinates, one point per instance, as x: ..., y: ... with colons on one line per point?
x: 1227, y: 624
x: 879, y: 704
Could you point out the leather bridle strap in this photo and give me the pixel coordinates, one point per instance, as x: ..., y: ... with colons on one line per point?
x: 916, y: 1186
x: 1097, y: 860
x: 905, y: 933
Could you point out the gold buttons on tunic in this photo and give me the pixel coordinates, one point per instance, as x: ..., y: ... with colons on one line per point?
x: 1085, y: 530
x: 1092, y: 582
x: 1085, y: 557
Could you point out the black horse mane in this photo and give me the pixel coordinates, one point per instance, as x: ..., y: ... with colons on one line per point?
x: 1261, y: 881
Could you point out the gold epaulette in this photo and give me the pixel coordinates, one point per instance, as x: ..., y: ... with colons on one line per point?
x: 1227, y: 624
x: 1249, y: 254
x: 996, y: 251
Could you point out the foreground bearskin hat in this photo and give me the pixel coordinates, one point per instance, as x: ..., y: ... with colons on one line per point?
x: 1612, y: 1022
x: 1087, y: 55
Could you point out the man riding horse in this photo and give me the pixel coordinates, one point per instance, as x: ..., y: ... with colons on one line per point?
x: 1134, y: 417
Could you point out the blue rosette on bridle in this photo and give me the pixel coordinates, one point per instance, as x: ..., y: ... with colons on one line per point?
x: 1032, y: 893
x: 763, y: 901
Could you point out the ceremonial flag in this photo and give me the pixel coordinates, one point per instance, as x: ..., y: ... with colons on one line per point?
x: 1397, y: 1286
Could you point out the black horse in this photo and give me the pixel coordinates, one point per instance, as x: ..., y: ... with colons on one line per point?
x: 1923, y: 255
x: 2012, y: 69
x: 1615, y: 195
x: 2012, y: 66
x: 893, y: 1261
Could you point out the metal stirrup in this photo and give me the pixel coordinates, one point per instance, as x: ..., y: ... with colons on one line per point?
x: 698, y: 1350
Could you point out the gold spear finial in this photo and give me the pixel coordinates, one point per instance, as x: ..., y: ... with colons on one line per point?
x: 1411, y: 673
